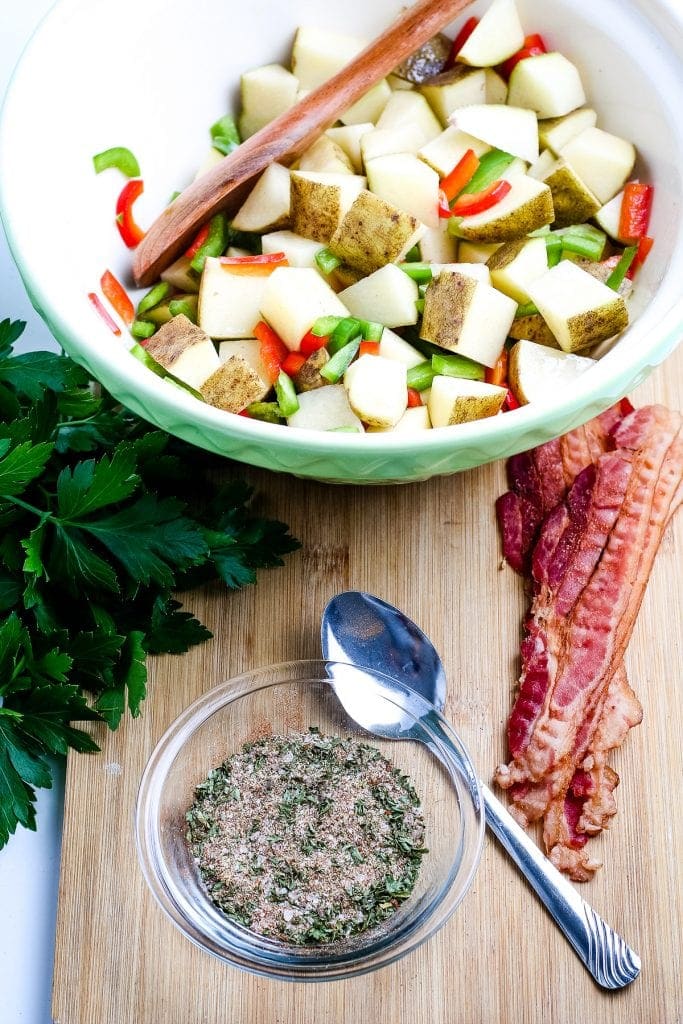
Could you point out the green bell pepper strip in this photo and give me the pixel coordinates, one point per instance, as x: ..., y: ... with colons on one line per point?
x: 186, y: 307
x: 215, y: 243
x: 327, y: 261
x: 345, y: 331
x: 420, y: 272
x: 370, y: 330
x: 413, y: 255
x: 267, y: 412
x: 142, y: 329
x: 420, y: 377
x: 324, y: 325
x: 337, y: 366
x: 453, y: 365
x: 491, y: 166
x: 420, y: 306
x: 525, y: 309
x: 224, y: 135
x: 286, y: 395
x: 119, y: 157
x: 153, y: 297
x: 614, y: 281
x: 553, y: 245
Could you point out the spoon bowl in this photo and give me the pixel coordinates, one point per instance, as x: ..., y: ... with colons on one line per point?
x: 368, y: 633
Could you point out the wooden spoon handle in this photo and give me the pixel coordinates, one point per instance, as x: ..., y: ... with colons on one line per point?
x: 225, y: 186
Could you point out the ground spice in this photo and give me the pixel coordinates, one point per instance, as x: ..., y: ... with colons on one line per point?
x: 307, y: 838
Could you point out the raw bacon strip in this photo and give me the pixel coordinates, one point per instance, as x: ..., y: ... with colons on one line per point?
x: 591, y: 641
x: 582, y: 782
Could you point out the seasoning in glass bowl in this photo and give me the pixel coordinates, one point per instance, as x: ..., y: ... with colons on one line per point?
x: 307, y: 838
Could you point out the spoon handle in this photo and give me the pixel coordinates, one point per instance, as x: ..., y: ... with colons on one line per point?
x: 612, y: 963
x: 226, y: 185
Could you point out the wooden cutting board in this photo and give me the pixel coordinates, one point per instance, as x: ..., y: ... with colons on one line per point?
x: 431, y: 549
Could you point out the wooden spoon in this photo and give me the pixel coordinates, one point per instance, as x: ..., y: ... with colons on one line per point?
x: 225, y: 186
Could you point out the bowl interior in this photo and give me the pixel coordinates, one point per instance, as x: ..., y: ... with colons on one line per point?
x: 279, y: 701
x: 113, y: 68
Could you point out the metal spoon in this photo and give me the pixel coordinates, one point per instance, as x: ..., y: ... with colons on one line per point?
x: 366, y: 632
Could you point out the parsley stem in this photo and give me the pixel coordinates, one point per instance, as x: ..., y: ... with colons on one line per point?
x: 12, y: 500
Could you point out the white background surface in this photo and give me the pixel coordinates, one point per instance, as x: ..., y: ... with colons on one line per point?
x: 29, y: 865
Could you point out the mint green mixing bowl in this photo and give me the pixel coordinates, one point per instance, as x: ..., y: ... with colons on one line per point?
x: 153, y: 75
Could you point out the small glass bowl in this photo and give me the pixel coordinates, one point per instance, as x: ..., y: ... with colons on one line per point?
x: 284, y: 699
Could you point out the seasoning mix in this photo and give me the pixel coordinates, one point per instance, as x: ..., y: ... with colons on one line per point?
x: 307, y: 838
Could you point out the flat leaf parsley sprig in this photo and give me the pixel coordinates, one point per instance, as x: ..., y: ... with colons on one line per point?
x: 102, y: 519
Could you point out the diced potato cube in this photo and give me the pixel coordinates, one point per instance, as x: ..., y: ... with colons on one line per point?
x: 181, y: 275
x: 467, y: 316
x: 498, y: 35
x: 248, y: 349
x: 319, y: 201
x: 459, y: 86
x: 387, y: 297
x: 548, y: 84
x: 392, y: 346
x: 267, y: 92
x: 455, y: 400
x: 407, y: 183
x: 556, y: 132
x: 299, y: 251
x: 185, y: 350
x: 437, y: 245
x: 543, y: 375
x: 374, y: 233
x: 292, y: 301
x: 410, y: 108
x: 511, y: 129
x: 377, y: 390
x: 348, y: 137
x: 447, y: 150
x: 318, y: 54
x: 266, y: 208
x: 516, y: 264
x: 325, y: 409
x: 385, y: 141
x: 368, y: 107
x: 579, y: 309
x: 234, y: 386
x: 326, y: 156
x: 602, y: 161
x: 229, y: 301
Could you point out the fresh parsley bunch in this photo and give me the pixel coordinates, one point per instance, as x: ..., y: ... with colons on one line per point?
x: 102, y: 519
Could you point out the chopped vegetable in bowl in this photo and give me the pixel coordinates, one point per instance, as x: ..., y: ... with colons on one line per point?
x: 458, y: 245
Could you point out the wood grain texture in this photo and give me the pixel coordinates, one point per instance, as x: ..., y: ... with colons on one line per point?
x: 225, y: 186
x: 432, y: 550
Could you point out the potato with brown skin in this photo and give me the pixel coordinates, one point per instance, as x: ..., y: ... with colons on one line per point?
x: 185, y: 350
x: 319, y: 202
x: 573, y: 201
x: 426, y: 62
x: 374, y: 233
x: 527, y: 207
x: 537, y: 373
x: 308, y: 377
x: 533, y: 328
x: 234, y: 386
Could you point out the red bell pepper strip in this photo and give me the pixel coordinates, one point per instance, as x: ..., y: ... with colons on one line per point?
x: 462, y: 37
x: 444, y: 209
x: 102, y: 313
x: 293, y: 362
x: 454, y: 182
x: 310, y: 343
x: 498, y: 374
x: 644, y: 246
x: 258, y: 266
x: 273, y: 350
x: 368, y: 348
x: 414, y: 398
x: 534, y: 46
x: 635, y: 211
x: 118, y: 296
x: 130, y: 232
x: 510, y: 402
x: 467, y: 205
x: 200, y: 238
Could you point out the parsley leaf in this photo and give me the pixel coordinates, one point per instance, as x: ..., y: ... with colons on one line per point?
x: 102, y: 518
